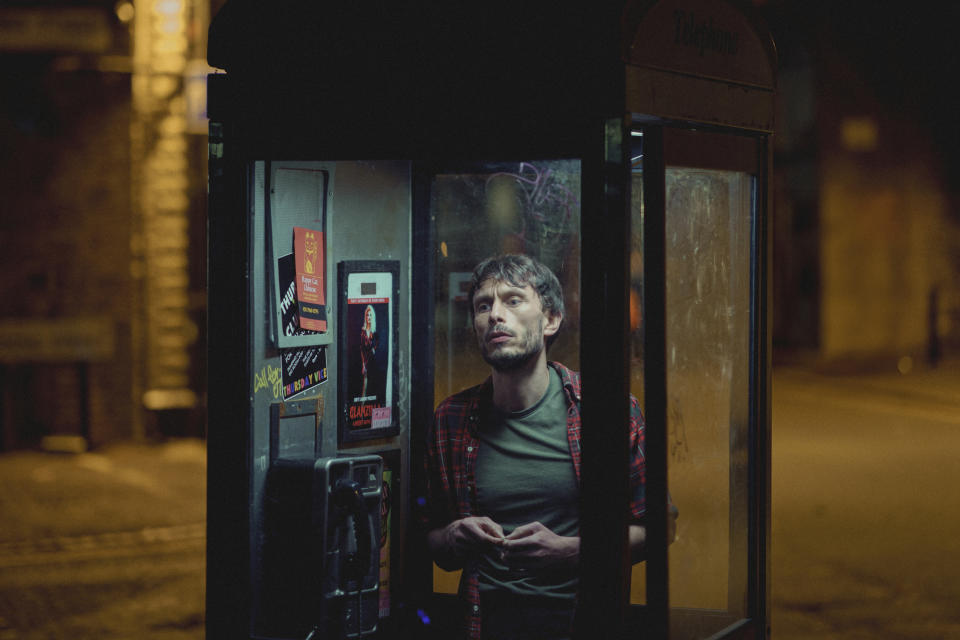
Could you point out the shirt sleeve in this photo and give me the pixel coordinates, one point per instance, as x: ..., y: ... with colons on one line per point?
x: 439, y: 507
x: 638, y: 464
x: 638, y: 467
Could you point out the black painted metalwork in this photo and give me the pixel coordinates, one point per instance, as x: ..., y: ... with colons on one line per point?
x: 655, y: 377
x: 228, y: 429
x: 604, y: 363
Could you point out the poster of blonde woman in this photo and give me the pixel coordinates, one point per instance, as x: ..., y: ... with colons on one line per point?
x: 368, y: 344
x: 368, y: 354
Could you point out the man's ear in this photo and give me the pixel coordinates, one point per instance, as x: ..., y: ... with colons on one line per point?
x: 553, y: 323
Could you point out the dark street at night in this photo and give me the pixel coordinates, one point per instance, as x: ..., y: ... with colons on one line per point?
x: 203, y: 198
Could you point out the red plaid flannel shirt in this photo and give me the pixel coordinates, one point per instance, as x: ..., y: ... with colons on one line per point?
x: 452, y: 455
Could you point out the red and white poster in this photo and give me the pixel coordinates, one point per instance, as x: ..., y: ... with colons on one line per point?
x: 308, y: 251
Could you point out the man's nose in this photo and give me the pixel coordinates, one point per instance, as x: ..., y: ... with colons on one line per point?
x: 496, y: 312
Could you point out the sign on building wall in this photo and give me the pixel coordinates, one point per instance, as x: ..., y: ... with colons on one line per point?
x: 55, y: 29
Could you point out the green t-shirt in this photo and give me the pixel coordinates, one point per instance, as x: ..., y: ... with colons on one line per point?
x: 525, y: 474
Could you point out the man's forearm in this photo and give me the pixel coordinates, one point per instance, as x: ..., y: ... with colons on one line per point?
x: 638, y: 539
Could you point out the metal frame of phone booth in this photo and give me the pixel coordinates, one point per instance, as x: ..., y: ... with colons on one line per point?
x: 408, y: 90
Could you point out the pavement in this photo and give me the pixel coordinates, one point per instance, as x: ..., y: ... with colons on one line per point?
x: 109, y: 544
x: 866, y: 484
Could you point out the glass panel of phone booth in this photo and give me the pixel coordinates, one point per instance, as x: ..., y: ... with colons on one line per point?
x: 710, y: 206
x: 484, y: 209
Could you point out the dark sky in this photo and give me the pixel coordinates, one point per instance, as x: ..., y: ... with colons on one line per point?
x: 903, y: 49
x: 908, y: 52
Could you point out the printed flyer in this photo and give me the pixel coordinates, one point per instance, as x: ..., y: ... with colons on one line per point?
x: 304, y: 367
x: 308, y: 249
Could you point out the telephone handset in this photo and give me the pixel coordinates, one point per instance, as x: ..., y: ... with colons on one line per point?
x: 353, y: 533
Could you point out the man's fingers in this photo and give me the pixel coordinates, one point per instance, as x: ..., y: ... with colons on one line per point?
x: 524, y: 540
x: 525, y: 530
x: 492, y: 528
x: 482, y: 530
x: 521, y: 546
x: 523, y: 554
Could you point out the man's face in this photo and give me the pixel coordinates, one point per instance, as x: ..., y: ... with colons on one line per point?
x: 510, y: 323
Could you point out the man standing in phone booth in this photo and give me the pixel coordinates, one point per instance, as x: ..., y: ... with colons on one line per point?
x: 503, y: 464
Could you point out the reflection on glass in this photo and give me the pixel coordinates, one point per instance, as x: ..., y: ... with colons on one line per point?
x: 708, y: 229
x: 487, y: 209
x: 709, y: 217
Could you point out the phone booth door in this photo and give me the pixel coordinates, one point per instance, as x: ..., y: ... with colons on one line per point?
x: 697, y: 361
x: 700, y: 346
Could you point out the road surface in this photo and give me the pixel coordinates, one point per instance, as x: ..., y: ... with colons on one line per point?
x: 866, y: 506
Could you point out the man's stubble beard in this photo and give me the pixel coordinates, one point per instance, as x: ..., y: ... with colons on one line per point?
x: 511, y: 360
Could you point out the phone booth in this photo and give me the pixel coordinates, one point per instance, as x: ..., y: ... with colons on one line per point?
x: 362, y: 160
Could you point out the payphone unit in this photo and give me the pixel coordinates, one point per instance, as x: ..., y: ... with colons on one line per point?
x: 321, y: 551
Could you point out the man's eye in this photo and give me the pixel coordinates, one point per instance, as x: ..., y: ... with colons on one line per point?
x: 482, y: 308
x: 514, y: 301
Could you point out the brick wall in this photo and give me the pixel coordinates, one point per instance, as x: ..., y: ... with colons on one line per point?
x: 65, y: 221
